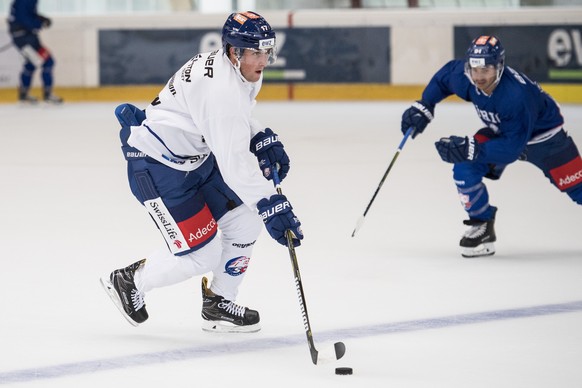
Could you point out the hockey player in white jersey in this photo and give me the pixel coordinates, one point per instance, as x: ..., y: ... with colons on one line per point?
x: 192, y: 162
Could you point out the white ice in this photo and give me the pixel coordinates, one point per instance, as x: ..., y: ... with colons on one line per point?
x: 410, y: 310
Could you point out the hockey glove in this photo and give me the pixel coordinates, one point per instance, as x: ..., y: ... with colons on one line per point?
x: 455, y: 149
x: 270, y: 151
x: 417, y: 116
x: 44, y: 21
x: 277, y: 214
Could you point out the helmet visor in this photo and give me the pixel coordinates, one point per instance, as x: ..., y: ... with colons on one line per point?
x: 269, y: 53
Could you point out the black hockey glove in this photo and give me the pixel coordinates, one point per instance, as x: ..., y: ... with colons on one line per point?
x: 456, y: 149
x: 270, y: 151
x: 44, y: 21
x: 417, y: 116
x: 277, y: 214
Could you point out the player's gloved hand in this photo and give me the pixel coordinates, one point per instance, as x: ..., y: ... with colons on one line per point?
x: 270, y: 151
x: 45, y: 22
x: 277, y: 214
x: 417, y: 116
x: 456, y: 149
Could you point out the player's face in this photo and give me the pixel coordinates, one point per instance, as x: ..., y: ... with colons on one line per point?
x: 252, y: 64
x: 484, y: 78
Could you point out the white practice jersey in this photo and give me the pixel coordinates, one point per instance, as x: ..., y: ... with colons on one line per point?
x: 206, y: 108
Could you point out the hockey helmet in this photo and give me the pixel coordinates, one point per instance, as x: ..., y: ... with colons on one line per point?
x: 249, y: 30
x: 485, y: 50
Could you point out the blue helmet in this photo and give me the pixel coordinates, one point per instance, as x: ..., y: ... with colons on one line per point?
x: 484, y: 51
x: 248, y: 30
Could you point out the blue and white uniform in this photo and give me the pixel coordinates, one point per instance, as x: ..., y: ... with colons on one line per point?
x: 196, y: 136
x: 24, y: 23
x: 521, y: 122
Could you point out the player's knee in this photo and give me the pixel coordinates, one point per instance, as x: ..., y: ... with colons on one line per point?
x: 29, y: 68
x: 48, y: 64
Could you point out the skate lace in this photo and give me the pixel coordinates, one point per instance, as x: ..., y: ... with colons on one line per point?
x: 137, y: 299
x: 232, y: 308
x: 476, y: 230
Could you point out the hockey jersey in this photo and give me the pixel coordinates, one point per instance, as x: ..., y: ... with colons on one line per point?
x: 206, y: 108
x: 518, y: 110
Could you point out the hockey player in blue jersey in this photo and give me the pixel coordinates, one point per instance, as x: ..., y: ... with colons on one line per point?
x: 24, y: 24
x: 522, y: 122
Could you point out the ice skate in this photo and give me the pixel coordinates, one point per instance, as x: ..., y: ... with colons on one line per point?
x: 52, y: 99
x: 122, y: 290
x: 223, y: 316
x: 27, y: 99
x: 479, y: 239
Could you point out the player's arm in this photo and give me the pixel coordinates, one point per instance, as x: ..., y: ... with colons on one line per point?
x: 450, y: 79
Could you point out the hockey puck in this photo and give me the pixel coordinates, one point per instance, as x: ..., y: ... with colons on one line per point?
x: 343, y: 371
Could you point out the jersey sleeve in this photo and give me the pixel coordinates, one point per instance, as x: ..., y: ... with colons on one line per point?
x: 449, y: 80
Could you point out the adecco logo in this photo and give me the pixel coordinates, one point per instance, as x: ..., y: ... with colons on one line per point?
x: 565, y: 46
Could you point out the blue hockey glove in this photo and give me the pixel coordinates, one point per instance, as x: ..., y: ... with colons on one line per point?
x: 270, y: 151
x: 456, y: 149
x: 417, y: 116
x: 277, y: 214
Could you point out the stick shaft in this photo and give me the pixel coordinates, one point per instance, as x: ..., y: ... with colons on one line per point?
x: 298, y: 282
x: 361, y: 219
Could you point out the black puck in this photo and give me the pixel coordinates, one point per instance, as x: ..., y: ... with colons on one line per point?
x: 343, y: 371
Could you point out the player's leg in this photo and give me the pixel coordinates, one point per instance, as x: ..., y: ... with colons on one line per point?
x: 184, y: 220
x: 25, y: 83
x: 560, y: 161
x: 36, y: 55
x: 479, y: 238
x: 47, y: 78
x: 240, y: 228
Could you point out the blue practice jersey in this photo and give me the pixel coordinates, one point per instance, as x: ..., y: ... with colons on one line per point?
x: 518, y: 110
x: 24, y: 16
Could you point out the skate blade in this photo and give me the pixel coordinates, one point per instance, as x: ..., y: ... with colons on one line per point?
x: 108, y: 287
x: 480, y: 250
x: 225, y: 327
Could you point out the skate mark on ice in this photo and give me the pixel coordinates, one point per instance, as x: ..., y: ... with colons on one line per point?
x: 215, y: 350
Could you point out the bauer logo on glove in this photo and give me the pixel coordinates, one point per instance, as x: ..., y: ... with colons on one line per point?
x: 277, y: 214
x: 270, y: 152
x: 456, y: 149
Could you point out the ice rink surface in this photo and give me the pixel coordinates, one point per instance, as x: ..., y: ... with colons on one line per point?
x: 411, y: 311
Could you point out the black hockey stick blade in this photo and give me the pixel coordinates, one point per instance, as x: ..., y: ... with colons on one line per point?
x: 340, y: 350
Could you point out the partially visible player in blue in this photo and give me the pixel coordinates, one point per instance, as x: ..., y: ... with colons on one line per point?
x: 522, y: 122
x: 24, y: 24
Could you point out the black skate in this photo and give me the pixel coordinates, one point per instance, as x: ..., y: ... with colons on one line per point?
x: 223, y: 316
x: 479, y: 239
x: 122, y: 290
x: 27, y: 99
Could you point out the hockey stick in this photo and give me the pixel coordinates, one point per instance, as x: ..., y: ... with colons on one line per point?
x: 361, y: 219
x: 6, y: 47
x: 339, y: 347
